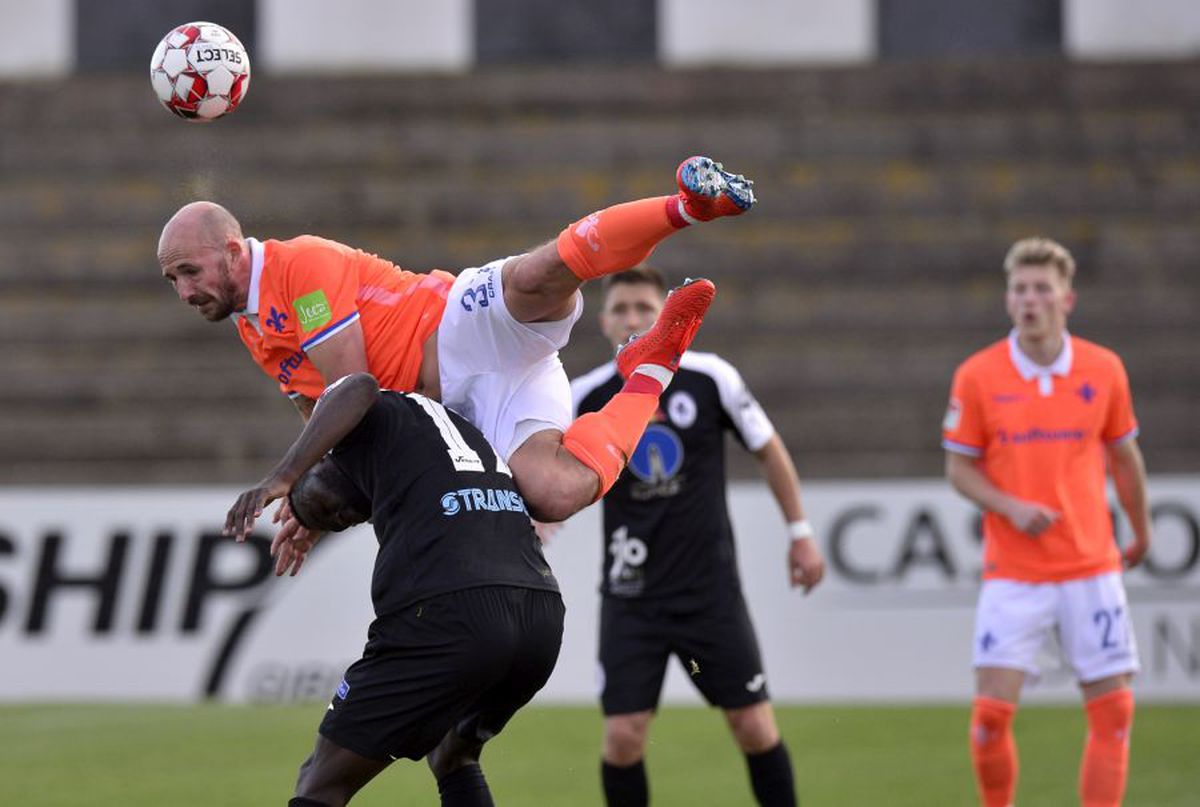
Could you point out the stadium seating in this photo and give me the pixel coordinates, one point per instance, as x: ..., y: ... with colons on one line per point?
x: 889, y: 195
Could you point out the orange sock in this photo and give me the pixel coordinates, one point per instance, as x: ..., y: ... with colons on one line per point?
x: 604, y: 440
x: 1105, y: 763
x: 993, y: 751
x: 618, y: 237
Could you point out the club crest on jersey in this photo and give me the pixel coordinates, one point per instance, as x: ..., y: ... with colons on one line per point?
x: 682, y: 409
x: 658, y: 456
x: 313, y: 310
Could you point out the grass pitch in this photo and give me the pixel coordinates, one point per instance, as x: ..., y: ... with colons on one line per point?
x: 843, y: 755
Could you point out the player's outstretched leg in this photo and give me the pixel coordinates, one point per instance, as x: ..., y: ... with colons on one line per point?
x: 540, y: 285
x: 604, y: 440
x: 618, y: 237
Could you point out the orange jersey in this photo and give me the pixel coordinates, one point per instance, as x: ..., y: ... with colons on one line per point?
x: 1040, y: 435
x: 306, y: 290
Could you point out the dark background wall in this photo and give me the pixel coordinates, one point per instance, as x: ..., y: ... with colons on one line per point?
x: 889, y: 194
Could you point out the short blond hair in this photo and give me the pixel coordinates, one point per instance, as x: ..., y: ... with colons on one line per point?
x: 1038, y: 251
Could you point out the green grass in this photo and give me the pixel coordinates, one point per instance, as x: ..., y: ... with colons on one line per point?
x: 844, y: 755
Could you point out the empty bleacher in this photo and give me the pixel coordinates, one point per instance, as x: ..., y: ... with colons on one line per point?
x: 889, y: 195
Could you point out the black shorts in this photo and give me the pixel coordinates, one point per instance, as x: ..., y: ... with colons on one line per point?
x: 466, y: 660
x: 715, y: 643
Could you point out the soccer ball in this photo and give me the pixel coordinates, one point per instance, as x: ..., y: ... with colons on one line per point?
x: 200, y: 71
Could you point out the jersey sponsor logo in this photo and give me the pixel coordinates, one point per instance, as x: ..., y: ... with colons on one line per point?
x: 313, y: 309
x: 1037, y: 435
x: 682, y: 409
x: 953, y: 415
x: 629, y: 555
x: 489, y: 500
x: 276, y: 320
x: 756, y: 683
x: 1007, y: 397
x: 658, y: 456
x: 289, y: 366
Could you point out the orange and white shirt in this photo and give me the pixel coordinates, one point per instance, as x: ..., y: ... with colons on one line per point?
x: 307, y: 289
x: 1040, y: 434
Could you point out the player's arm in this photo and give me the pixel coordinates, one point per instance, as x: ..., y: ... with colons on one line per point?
x: 805, y: 564
x: 1128, y: 471
x: 341, y: 355
x: 338, y: 411
x: 967, y: 478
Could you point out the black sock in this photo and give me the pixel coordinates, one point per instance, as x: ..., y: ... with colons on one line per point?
x: 625, y: 787
x: 771, y: 777
x: 465, y: 787
x: 301, y: 802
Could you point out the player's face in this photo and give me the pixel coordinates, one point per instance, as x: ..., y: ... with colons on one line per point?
x: 1038, y: 301
x: 629, y: 308
x: 202, y: 277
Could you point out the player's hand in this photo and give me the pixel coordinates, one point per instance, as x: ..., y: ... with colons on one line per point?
x: 290, y: 553
x: 1031, y: 518
x: 1135, y: 552
x: 239, y: 521
x: 806, y: 564
x: 292, y: 543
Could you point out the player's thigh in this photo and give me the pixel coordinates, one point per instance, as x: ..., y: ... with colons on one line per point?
x: 1095, y: 628
x: 478, y: 334
x: 635, y: 644
x: 510, y: 406
x: 1012, y: 621
x: 719, y: 650
x: 422, y: 669
x: 534, y: 621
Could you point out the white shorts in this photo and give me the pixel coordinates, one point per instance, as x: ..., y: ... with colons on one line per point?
x: 502, y: 375
x: 1091, y: 616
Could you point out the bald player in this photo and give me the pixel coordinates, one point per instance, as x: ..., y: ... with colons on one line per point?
x: 485, y: 343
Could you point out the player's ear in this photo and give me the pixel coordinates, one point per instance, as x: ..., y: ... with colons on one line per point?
x: 1069, y: 301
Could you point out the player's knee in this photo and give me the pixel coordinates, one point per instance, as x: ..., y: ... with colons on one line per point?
x: 625, y: 738
x: 754, y: 728
x: 451, y: 754
x: 554, y: 497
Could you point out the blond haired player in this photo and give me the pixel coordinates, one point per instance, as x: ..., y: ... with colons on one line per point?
x: 1033, y: 422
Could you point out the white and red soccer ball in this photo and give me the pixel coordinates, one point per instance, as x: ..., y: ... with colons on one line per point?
x: 200, y: 71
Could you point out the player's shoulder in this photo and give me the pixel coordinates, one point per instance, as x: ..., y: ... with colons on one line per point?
x: 301, y: 249
x: 711, y: 365
x: 986, y: 360
x: 584, y: 385
x: 1091, y: 354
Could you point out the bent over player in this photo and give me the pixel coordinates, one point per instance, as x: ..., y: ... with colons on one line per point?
x: 485, y: 343
x: 1032, y: 423
x: 468, y: 618
x: 670, y: 584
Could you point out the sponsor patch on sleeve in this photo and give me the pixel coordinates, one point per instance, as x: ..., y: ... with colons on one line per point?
x: 313, y: 310
x: 953, y: 415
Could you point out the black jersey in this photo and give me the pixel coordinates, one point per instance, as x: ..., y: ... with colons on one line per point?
x: 445, y: 510
x: 666, y: 522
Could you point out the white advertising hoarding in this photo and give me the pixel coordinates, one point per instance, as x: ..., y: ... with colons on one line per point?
x: 133, y: 594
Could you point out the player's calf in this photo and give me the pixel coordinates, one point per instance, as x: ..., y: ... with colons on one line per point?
x: 624, y: 235
x: 604, y: 440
